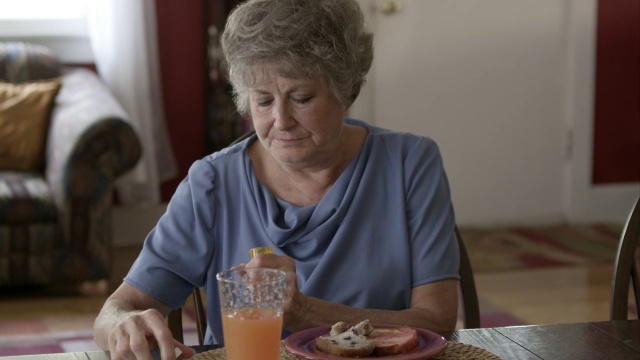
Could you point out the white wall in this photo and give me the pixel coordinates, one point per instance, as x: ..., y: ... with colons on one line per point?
x: 506, y: 89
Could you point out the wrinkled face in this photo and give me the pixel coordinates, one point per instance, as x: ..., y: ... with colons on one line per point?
x: 298, y: 120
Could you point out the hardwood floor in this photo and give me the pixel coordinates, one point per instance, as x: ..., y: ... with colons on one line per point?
x: 62, y: 309
x: 540, y: 296
x: 551, y: 295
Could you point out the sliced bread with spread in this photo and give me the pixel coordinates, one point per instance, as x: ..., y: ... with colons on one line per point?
x: 363, y: 340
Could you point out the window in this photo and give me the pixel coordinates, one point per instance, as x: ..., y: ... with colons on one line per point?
x: 60, y: 25
x: 42, y: 9
x: 43, y: 18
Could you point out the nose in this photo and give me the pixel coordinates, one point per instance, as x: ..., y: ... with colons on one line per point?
x: 282, y: 115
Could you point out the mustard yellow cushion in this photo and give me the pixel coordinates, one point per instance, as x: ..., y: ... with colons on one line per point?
x: 25, y: 110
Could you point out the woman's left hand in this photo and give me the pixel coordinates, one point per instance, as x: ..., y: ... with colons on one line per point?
x: 295, y: 307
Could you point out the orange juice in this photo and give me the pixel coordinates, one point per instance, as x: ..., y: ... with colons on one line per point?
x: 252, y: 333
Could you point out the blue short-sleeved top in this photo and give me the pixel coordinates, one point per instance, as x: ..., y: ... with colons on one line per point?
x: 385, y: 226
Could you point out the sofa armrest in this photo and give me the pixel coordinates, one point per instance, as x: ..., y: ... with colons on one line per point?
x: 90, y: 142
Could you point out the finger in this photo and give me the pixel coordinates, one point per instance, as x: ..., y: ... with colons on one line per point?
x: 238, y: 267
x: 139, y: 345
x: 187, y: 351
x: 119, y: 348
x: 142, y: 330
x: 166, y: 342
x: 273, y: 261
x: 155, y: 332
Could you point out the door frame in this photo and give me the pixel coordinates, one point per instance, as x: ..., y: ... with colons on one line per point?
x: 583, y: 201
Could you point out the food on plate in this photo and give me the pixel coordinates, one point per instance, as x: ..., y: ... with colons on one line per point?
x: 363, y: 339
x: 393, y: 341
x: 348, y: 343
x: 339, y: 328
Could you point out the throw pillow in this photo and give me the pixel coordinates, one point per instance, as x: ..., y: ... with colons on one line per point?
x: 25, y: 110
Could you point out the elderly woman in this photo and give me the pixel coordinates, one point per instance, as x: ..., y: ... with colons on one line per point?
x: 359, y: 217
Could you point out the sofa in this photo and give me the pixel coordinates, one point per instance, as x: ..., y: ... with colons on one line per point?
x: 64, y: 141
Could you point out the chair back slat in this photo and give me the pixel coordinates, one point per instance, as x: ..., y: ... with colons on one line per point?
x: 468, y: 287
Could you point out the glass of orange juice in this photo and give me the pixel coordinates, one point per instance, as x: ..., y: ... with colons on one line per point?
x: 252, y: 303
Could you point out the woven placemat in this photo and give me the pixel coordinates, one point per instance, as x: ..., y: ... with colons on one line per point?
x: 456, y: 350
x: 453, y: 351
x: 218, y: 354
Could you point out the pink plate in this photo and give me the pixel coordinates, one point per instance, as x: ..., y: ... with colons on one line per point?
x: 302, y: 344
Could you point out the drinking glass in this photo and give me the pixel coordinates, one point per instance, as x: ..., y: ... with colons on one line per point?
x: 251, y: 304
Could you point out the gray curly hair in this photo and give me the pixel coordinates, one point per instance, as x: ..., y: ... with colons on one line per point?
x: 301, y: 38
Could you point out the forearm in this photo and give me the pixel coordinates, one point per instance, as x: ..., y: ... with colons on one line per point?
x: 320, y: 312
x: 433, y: 306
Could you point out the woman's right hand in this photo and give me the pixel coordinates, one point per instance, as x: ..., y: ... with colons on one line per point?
x: 128, y: 332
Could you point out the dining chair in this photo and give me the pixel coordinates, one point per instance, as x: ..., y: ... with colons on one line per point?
x: 174, y: 319
x: 468, y: 290
x: 625, y: 269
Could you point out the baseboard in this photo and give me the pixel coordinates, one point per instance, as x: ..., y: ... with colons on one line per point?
x: 131, y: 224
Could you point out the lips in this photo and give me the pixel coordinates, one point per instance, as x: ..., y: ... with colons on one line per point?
x: 288, y: 140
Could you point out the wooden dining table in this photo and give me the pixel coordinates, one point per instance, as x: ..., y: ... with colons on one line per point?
x: 617, y: 340
x: 586, y: 340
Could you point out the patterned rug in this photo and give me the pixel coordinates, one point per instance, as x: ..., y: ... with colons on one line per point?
x: 516, y: 248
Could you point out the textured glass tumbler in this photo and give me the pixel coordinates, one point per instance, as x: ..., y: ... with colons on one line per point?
x: 251, y: 305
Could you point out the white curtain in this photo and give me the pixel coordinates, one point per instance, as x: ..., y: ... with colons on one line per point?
x: 125, y: 46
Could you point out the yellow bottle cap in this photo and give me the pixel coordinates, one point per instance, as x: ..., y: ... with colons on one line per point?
x: 260, y: 250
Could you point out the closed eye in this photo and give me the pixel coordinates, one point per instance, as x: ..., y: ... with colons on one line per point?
x: 264, y: 103
x: 302, y: 100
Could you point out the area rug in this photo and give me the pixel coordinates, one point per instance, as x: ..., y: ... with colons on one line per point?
x: 46, y: 343
x: 514, y: 248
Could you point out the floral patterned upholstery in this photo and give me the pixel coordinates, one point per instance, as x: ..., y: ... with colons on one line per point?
x: 55, y: 226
